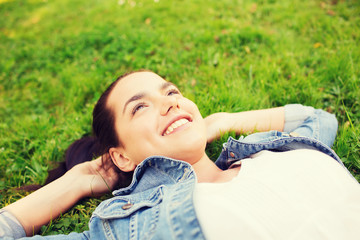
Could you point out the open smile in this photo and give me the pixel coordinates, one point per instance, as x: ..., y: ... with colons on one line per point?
x: 175, y: 125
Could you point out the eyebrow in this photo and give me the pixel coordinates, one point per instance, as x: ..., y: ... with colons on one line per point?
x: 142, y: 95
x: 166, y: 85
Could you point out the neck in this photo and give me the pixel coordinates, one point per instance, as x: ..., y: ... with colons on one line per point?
x: 206, y: 170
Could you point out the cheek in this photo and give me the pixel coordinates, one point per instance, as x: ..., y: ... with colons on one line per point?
x: 137, y: 138
x: 189, y: 106
x: 197, y: 116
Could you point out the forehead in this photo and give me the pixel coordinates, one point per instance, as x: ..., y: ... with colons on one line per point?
x: 132, y: 84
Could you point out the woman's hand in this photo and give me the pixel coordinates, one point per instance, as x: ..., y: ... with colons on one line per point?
x: 92, y: 178
x: 217, y: 124
x: 97, y: 177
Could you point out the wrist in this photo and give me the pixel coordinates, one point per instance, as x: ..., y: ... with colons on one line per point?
x: 79, y: 184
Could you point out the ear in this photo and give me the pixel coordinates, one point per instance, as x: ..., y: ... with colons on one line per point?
x: 121, y: 160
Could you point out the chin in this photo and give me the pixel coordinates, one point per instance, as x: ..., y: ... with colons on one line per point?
x: 192, y: 150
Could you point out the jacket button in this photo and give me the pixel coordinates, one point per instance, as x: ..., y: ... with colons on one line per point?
x: 127, y: 206
x: 294, y: 134
x: 232, y: 154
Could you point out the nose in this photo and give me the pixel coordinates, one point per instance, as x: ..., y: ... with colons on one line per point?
x: 168, y: 103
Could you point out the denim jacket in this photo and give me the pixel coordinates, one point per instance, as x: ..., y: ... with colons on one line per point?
x: 158, y: 203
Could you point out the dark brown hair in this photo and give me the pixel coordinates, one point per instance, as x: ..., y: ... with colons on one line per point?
x: 104, y: 119
x: 104, y: 137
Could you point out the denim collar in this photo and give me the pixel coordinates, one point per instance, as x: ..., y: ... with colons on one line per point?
x: 234, y: 150
x: 155, y: 171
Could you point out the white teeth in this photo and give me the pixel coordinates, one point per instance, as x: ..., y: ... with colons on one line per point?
x: 175, y: 125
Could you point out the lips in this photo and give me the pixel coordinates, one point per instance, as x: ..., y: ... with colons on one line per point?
x: 176, y: 124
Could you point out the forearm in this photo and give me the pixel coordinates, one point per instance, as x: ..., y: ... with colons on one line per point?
x: 244, y: 122
x: 257, y: 120
x: 47, y: 203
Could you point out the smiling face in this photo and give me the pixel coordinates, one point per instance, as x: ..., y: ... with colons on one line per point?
x: 152, y: 118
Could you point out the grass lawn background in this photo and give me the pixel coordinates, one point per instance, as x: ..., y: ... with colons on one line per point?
x: 57, y: 57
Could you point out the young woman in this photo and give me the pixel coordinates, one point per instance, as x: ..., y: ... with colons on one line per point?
x: 281, y: 184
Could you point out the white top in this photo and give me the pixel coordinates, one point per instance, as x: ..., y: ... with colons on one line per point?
x: 299, y: 194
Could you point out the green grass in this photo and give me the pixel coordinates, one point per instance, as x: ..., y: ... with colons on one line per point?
x: 56, y: 58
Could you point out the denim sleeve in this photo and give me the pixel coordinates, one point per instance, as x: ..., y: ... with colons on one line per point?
x: 72, y: 236
x: 309, y: 122
x: 10, y: 227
